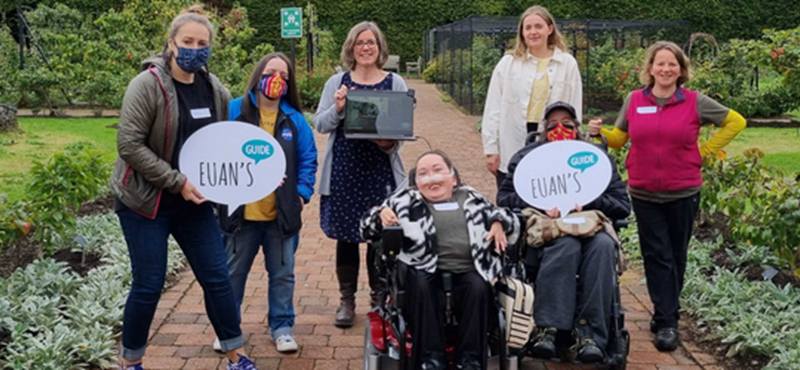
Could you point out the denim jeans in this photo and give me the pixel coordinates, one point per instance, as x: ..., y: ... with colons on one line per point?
x: 279, y: 261
x: 195, y: 229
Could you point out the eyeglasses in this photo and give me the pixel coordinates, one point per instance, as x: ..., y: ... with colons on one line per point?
x: 362, y: 43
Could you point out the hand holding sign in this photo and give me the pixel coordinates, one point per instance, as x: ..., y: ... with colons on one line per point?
x: 233, y: 163
x: 563, y: 174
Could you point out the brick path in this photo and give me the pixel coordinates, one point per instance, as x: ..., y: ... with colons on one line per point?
x: 182, y: 336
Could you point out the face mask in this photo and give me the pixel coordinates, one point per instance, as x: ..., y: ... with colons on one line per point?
x: 191, y: 60
x: 273, y: 86
x: 560, y: 132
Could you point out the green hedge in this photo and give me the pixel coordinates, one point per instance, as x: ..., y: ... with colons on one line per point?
x: 405, y: 21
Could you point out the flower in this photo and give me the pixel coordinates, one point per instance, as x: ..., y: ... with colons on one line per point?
x: 621, y: 86
x: 128, y: 55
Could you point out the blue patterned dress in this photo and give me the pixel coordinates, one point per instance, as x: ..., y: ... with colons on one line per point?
x: 361, y: 178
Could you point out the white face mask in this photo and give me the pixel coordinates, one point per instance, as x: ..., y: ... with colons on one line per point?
x: 432, y: 178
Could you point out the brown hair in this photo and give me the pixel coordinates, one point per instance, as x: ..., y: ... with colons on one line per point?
x: 554, y: 40
x: 683, y: 61
x: 347, y: 56
x: 192, y: 14
x: 412, y: 181
x: 292, y: 93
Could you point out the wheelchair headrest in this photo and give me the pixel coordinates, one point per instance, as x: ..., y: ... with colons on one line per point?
x: 412, y: 178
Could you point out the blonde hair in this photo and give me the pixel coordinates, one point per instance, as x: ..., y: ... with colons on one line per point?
x: 683, y: 61
x: 347, y: 56
x: 554, y: 40
x: 192, y: 14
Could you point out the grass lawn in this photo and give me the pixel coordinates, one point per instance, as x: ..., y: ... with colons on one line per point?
x: 781, y: 145
x: 42, y: 138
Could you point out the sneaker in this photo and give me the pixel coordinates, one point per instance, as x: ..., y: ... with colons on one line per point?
x: 544, y: 346
x: 243, y: 364
x: 131, y: 367
x: 285, y: 343
x: 588, y: 351
x: 217, y: 346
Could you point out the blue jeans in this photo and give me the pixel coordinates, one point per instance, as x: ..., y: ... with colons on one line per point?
x: 195, y: 229
x: 278, y: 259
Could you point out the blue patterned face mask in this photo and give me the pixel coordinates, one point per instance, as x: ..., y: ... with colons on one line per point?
x: 191, y: 60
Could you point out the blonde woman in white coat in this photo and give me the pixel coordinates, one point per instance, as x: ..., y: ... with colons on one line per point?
x: 537, y: 73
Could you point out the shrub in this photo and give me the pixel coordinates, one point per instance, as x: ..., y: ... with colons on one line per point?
x: 429, y: 74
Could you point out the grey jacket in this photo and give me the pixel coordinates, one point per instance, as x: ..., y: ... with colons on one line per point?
x: 326, y: 120
x: 148, y: 131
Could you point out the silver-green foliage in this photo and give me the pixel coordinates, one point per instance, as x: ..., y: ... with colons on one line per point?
x: 59, y: 320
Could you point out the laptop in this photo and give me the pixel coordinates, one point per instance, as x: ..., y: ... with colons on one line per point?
x: 379, y: 115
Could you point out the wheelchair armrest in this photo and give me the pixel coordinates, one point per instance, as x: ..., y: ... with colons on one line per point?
x: 620, y: 224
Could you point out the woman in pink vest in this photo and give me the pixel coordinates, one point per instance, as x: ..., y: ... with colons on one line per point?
x: 662, y: 122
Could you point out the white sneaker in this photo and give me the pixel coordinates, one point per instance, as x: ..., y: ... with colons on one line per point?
x: 286, y: 343
x: 217, y: 346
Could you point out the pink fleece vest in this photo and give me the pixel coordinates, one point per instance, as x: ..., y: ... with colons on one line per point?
x: 664, y: 155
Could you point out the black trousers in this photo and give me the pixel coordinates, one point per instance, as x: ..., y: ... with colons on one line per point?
x: 557, y: 291
x: 664, y: 233
x: 425, y: 311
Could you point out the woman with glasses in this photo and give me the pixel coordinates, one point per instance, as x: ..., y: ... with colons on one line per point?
x: 356, y: 174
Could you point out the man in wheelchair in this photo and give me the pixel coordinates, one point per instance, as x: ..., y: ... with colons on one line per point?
x: 564, y: 302
x: 447, y: 227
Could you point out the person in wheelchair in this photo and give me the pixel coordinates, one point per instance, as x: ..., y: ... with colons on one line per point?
x: 588, y: 310
x: 447, y: 226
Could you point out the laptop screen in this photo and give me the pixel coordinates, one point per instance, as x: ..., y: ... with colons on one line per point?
x: 379, y: 114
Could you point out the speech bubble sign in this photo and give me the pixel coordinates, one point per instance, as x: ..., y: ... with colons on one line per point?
x: 562, y: 174
x: 233, y: 163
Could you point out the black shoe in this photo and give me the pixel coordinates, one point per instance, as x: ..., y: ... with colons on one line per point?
x: 666, y: 339
x: 469, y: 364
x: 544, y: 343
x: 653, y: 326
x: 588, y: 351
x: 434, y: 361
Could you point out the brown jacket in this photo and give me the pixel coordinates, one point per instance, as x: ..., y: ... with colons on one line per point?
x: 148, y: 131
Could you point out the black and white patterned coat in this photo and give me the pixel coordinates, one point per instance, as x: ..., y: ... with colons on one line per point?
x: 420, y: 247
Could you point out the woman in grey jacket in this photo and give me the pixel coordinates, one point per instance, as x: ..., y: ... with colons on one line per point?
x: 356, y: 174
x: 173, y: 97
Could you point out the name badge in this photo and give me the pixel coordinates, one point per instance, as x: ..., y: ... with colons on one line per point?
x: 450, y: 206
x: 646, y: 110
x: 201, y: 113
x: 538, y: 75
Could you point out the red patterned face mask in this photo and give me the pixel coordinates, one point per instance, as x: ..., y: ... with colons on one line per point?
x: 560, y: 132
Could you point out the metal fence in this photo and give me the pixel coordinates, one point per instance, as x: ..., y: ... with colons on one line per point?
x: 466, y: 51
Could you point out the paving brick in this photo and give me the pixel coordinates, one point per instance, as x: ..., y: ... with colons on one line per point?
x: 182, y: 335
x: 202, y: 364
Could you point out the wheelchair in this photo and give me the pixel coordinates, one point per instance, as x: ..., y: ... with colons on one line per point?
x: 618, y: 345
x: 387, y: 341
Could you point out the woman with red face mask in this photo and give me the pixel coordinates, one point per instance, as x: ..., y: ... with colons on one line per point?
x: 272, y: 102
x: 591, y: 258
